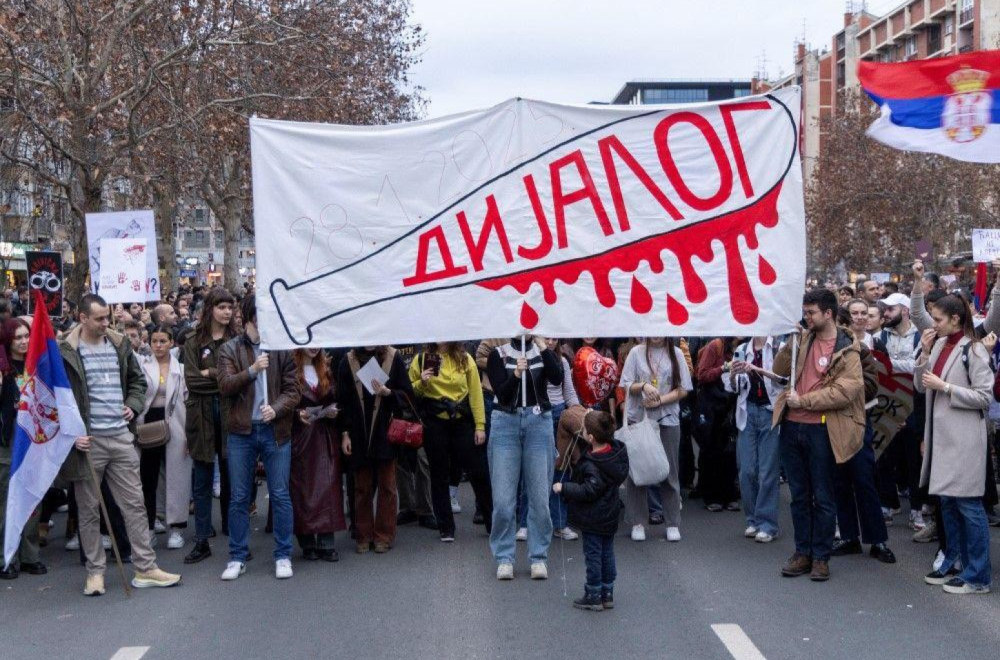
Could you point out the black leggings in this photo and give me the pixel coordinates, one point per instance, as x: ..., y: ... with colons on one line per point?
x: 450, y: 444
x: 150, y: 461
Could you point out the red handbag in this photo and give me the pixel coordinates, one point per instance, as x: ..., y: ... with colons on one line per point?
x: 404, y: 433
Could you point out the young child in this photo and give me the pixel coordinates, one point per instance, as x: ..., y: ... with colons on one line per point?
x: 594, y: 507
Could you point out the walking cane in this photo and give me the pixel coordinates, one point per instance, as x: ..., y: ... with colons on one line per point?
x: 107, y: 522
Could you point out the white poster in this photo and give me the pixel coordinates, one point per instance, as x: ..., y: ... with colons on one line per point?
x: 563, y: 221
x: 124, y: 224
x: 985, y: 245
x: 123, y: 272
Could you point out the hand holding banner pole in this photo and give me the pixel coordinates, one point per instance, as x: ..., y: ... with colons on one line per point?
x: 524, y: 374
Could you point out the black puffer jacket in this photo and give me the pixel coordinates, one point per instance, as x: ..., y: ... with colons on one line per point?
x: 592, y: 495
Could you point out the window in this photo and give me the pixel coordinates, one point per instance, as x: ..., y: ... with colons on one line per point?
x: 933, y: 39
x: 949, y: 24
x: 200, y: 218
x: 740, y: 92
x: 910, y: 46
x: 218, y: 239
x: 965, y: 13
x: 690, y: 95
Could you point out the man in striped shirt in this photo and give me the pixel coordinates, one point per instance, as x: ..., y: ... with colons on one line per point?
x: 110, y: 391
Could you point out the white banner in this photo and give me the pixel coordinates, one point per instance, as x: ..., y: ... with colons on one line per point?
x: 124, y: 269
x: 985, y: 245
x: 564, y: 221
x: 124, y: 224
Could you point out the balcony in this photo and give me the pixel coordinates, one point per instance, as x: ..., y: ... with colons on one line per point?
x: 966, y: 16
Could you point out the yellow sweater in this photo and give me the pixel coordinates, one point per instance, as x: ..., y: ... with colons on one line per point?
x: 453, y: 385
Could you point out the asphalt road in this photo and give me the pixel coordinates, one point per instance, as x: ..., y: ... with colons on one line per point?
x: 426, y: 599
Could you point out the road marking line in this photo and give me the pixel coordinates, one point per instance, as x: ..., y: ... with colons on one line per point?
x: 130, y: 653
x: 737, y: 643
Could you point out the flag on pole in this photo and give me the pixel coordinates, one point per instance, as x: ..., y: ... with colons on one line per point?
x: 48, y: 422
x: 947, y: 105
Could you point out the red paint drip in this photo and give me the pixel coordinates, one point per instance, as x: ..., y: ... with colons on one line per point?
x: 529, y: 317
x: 641, y: 300
x: 677, y: 313
x: 766, y: 271
x: 685, y: 243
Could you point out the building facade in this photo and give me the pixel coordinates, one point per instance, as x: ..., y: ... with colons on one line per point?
x: 646, y: 92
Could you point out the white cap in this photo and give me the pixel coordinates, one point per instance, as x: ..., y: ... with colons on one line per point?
x: 896, y: 299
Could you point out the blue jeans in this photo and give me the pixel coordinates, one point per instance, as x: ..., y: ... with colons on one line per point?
x: 809, y: 464
x: 557, y: 508
x: 968, y: 536
x: 599, y: 555
x: 242, y: 451
x: 520, y: 447
x: 758, y: 459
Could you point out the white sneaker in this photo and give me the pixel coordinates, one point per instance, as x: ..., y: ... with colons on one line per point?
x: 539, y: 571
x: 638, y: 533
x: 175, y: 541
x: 234, y: 569
x: 455, y: 506
x: 216, y: 491
x: 158, y: 527
x: 566, y: 534
x: 887, y: 516
x: 283, y: 569
x: 917, y: 521
x: 750, y: 532
x: 63, y: 509
x: 73, y: 543
x: 505, y: 571
x: 673, y: 534
x: 106, y: 541
x: 763, y: 537
x: 522, y: 534
x: 938, y: 560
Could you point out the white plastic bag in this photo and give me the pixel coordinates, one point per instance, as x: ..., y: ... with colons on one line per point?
x: 647, y: 460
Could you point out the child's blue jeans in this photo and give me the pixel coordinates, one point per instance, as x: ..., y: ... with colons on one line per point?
x: 599, y: 555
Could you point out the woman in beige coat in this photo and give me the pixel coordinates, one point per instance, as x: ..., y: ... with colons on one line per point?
x: 165, y: 395
x: 954, y: 372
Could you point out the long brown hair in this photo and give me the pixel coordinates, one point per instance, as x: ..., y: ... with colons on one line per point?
x: 322, y: 365
x: 952, y: 305
x: 453, y: 349
x: 216, y: 296
x: 668, y: 346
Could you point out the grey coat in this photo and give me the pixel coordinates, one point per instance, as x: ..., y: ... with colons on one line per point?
x: 955, y: 432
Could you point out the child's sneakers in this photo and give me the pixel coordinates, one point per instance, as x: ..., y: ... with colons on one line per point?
x: 591, y: 600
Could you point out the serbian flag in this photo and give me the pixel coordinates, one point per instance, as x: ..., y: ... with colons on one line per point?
x: 948, y: 106
x: 48, y: 422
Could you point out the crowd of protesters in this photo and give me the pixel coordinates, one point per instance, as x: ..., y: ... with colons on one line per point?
x: 183, y: 408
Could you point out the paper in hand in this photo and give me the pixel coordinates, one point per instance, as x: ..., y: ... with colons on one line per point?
x: 372, y: 371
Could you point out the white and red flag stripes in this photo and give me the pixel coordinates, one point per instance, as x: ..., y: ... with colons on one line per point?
x: 531, y: 216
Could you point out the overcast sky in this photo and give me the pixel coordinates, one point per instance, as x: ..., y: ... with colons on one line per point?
x: 480, y: 53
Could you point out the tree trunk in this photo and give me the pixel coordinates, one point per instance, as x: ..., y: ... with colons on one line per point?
x: 165, y: 210
x: 231, y: 222
x: 75, y: 282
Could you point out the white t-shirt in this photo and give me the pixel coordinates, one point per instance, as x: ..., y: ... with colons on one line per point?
x: 637, y: 369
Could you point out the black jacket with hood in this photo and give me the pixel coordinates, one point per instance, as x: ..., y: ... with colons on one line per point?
x: 592, y: 496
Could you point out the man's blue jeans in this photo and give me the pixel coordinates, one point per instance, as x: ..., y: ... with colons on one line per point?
x: 242, y: 452
x: 809, y: 463
x: 520, y: 447
x: 968, y: 535
x: 758, y: 459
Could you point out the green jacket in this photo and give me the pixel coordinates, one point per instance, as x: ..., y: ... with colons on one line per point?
x: 203, y: 396
x: 133, y: 390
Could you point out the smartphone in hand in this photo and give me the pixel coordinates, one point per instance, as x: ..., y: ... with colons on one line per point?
x: 432, y: 361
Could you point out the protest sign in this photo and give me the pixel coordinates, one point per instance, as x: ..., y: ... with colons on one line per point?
x: 124, y: 224
x: 45, y: 274
x: 895, y: 402
x: 562, y: 221
x: 985, y: 245
x: 123, y: 271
